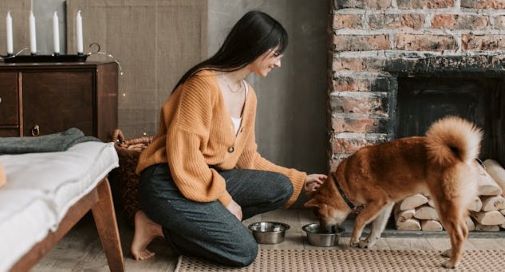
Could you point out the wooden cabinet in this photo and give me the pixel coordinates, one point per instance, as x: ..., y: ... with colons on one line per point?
x: 38, y: 99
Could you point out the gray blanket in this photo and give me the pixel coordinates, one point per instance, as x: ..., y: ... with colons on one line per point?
x: 48, y: 143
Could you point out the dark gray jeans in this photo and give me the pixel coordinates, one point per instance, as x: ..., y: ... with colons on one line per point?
x: 208, y: 230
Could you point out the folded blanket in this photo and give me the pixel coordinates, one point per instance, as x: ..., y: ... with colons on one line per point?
x: 48, y: 143
x: 2, y: 176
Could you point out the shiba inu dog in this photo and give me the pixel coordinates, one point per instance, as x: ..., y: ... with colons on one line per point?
x: 440, y: 164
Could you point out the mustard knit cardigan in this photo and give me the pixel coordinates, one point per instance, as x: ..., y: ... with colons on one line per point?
x: 196, y: 131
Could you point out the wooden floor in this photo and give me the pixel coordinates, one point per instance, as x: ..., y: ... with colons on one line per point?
x: 80, y: 250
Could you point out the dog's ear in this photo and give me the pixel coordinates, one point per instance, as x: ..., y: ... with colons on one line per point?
x: 312, y: 203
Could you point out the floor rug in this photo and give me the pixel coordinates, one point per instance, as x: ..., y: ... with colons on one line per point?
x: 352, y: 260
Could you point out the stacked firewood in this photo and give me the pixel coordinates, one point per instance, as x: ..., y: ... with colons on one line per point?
x: 486, y: 212
x: 417, y: 212
x: 491, y: 187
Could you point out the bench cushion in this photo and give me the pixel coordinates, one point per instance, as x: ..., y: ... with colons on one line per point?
x: 41, y: 187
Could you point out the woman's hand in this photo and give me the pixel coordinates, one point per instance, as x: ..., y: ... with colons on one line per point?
x: 235, y: 209
x: 313, y: 182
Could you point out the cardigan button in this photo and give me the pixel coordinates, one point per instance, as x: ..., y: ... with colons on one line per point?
x: 231, y: 149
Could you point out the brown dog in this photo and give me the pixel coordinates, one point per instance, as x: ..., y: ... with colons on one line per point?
x: 440, y: 164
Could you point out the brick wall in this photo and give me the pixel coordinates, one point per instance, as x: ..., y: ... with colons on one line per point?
x: 368, y: 36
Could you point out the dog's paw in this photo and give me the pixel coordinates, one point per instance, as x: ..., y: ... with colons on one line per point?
x: 364, y: 244
x: 446, y: 253
x: 354, y: 244
x: 449, y: 264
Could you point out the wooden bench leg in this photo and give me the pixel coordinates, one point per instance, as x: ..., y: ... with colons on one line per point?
x: 106, y: 224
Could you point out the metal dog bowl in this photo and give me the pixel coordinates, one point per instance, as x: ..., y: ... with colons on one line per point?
x: 317, y: 237
x: 269, y: 232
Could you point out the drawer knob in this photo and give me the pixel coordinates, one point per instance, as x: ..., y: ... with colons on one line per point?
x: 36, y: 130
x: 0, y: 100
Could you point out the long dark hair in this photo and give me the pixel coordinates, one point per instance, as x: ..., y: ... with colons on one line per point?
x: 254, y: 34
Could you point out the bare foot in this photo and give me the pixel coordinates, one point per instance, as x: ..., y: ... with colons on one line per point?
x: 145, y: 231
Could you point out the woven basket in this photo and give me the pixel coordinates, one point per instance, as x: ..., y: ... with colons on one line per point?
x: 128, y: 152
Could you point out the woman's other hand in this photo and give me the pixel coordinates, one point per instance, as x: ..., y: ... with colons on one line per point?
x: 235, y: 209
x: 313, y: 182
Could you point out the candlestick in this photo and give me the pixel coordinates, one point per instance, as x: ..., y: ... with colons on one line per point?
x: 56, y: 33
x: 33, y: 35
x: 8, y: 24
x: 78, y: 31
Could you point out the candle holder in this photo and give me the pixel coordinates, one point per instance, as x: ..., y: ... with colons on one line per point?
x: 44, y: 58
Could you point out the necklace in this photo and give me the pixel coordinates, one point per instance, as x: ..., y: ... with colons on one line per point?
x: 227, y: 81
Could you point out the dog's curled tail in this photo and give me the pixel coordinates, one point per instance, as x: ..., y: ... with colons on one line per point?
x: 452, y: 139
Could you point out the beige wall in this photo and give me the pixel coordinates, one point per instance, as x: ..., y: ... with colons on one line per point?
x: 155, y: 42
x: 20, y: 11
x: 43, y: 11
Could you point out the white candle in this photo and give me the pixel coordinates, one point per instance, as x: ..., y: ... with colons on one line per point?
x: 78, y: 32
x: 8, y: 24
x: 33, y: 35
x: 56, y: 33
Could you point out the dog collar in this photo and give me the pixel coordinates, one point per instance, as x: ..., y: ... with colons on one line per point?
x: 344, y: 196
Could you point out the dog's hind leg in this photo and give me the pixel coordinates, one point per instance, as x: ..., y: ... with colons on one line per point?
x: 458, y: 232
x: 452, y: 219
x: 378, y: 226
x: 369, y: 213
x: 448, y: 253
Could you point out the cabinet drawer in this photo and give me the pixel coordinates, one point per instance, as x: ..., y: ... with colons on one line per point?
x: 9, y: 98
x: 9, y: 132
x: 57, y: 101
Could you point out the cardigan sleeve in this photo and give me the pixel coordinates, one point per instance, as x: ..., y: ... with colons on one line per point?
x: 251, y: 159
x: 190, y: 129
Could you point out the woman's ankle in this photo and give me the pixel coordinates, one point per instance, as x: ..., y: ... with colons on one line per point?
x: 153, y: 227
x: 158, y: 230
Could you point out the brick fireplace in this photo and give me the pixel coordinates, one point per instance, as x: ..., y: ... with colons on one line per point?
x: 398, y: 65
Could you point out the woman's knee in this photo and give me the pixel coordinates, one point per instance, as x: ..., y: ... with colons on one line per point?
x: 284, y: 188
x: 245, y: 254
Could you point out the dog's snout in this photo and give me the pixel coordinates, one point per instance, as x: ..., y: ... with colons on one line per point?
x: 325, y: 227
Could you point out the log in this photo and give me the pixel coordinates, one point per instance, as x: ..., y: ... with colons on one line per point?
x: 431, y: 202
x: 476, y: 205
x: 409, y: 224
x: 426, y: 213
x: 486, y: 184
x: 431, y: 225
x: 489, y: 218
x: 469, y: 223
x: 480, y: 227
x: 496, y: 171
x: 493, y: 203
x: 413, y: 202
x: 402, y: 216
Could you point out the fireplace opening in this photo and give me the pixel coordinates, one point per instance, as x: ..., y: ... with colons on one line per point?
x: 422, y: 100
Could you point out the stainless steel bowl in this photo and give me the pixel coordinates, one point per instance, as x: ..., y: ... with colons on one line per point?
x: 317, y: 237
x: 269, y: 232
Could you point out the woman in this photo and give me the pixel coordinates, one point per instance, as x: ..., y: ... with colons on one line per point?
x: 202, y: 174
